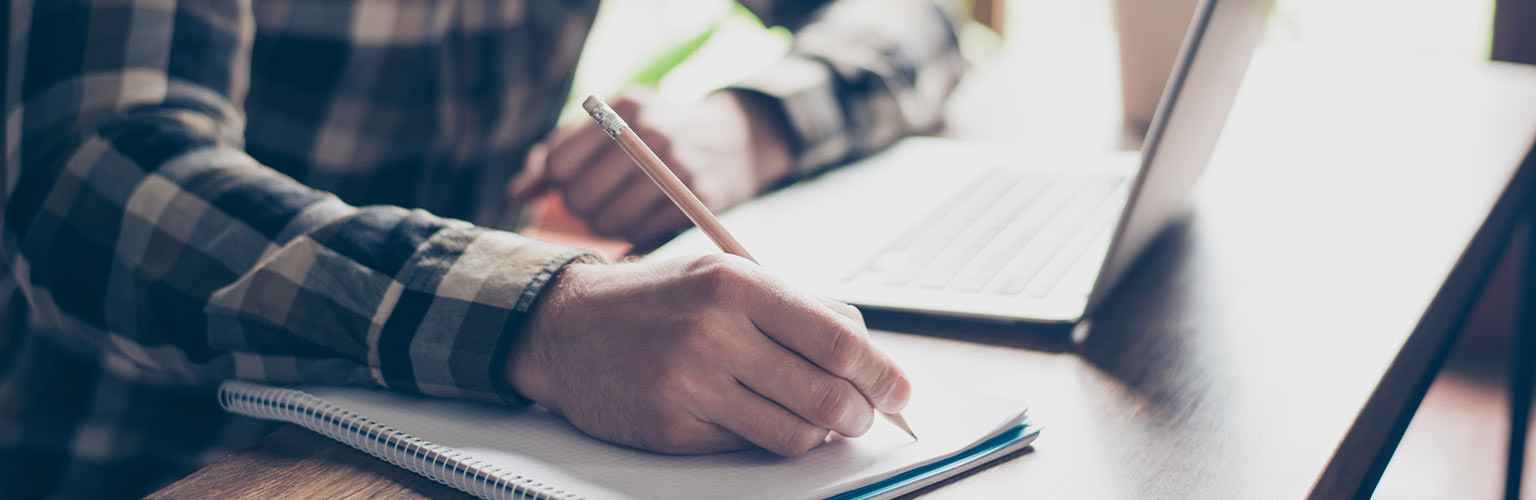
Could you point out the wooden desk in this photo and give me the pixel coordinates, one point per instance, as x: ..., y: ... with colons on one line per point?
x: 1274, y: 345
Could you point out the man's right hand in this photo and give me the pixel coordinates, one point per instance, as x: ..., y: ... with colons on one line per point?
x: 699, y: 355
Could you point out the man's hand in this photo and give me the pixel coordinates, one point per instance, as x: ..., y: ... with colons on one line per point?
x: 699, y: 355
x: 726, y: 148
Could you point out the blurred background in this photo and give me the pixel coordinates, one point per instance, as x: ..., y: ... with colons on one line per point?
x: 1060, y: 65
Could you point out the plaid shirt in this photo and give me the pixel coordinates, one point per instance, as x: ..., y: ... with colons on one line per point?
x: 204, y: 190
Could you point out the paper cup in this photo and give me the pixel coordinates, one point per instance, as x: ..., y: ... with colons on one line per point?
x: 1151, y: 33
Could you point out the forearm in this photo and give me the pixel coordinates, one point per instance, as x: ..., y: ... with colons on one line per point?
x: 861, y: 74
x: 208, y: 266
x: 137, y: 227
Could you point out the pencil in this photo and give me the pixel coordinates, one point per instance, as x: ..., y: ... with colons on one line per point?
x: 614, y: 125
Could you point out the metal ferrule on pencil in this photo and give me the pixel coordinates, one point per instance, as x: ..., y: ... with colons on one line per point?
x: 605, y: 116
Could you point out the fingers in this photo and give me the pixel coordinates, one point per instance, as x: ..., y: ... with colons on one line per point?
x: 629, y: 207
x: 592, y: 192
x: 843, y: 308
x: 814, y: 395
x: 832, y: 340
x: 766, y: 424
x: 571, y: 153
x: 663, y: 219
x: 601, y: 183
x: 575, y: 148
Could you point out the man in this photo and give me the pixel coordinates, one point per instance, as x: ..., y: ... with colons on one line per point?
x: 207, y: 190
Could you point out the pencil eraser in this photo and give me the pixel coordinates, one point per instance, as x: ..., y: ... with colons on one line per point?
x: 592, y: 104
x: 605, y: 116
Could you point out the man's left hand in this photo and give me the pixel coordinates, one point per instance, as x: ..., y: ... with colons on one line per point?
x: 727, y: 148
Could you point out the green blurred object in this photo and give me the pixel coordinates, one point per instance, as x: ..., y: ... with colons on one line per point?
x: 651, y: 74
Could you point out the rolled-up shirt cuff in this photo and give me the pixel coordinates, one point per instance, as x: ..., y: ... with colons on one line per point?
x: 801, y: 89
x: 463, y: 334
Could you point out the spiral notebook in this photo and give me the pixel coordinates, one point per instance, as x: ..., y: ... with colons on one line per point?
x: 497, y: 452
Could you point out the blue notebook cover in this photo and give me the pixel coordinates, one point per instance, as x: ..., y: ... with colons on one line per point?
x: 1009, y: 441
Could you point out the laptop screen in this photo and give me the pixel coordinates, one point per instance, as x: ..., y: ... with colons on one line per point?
x: 1200, y: 91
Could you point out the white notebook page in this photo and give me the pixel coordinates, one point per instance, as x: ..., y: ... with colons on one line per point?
x: 537, y: 444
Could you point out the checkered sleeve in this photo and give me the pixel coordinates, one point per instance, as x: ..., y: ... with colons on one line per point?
x: 143, y: 234
x: 861, y: 73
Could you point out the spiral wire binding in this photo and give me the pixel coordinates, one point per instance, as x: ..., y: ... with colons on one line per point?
x: 442, y: 464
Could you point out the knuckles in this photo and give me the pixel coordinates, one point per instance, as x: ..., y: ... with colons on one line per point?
x: 843, y: 352
x: 852, y: 313
x: 676, y: 387
x: 705, y: 339
x: 721, y: 276
x: 562, y: 164
x: 833, y: 405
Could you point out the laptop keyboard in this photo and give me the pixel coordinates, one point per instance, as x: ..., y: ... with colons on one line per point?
x: 999, y: 234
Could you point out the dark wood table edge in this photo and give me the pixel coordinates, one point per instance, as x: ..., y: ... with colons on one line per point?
x: 1522, y: 366
x: 1385, y: 417
x: 327, y: 469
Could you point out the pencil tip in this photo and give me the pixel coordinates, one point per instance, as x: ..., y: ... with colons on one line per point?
x: 901, y: 423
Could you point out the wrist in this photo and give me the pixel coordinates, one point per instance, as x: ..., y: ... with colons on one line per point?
x: 528, y: 371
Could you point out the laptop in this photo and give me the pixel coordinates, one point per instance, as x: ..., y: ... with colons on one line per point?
x: 992, y: 231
